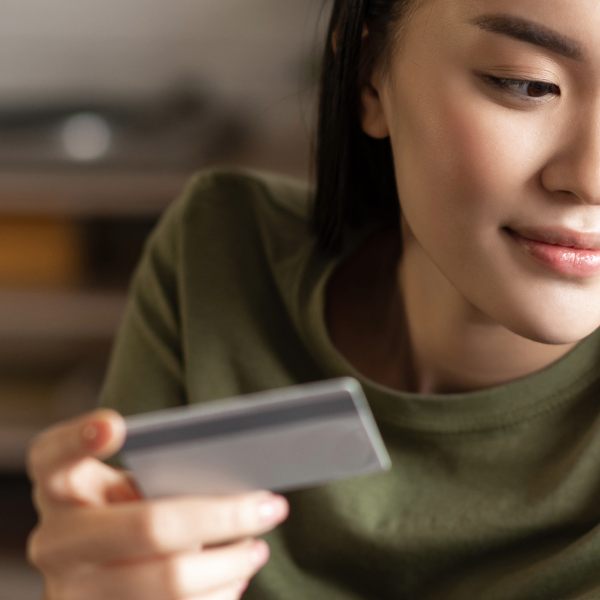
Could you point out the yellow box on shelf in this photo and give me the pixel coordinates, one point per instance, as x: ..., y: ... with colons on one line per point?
x: 38, y: 251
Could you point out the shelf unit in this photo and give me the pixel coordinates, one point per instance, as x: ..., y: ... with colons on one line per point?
x: 65, y: 335
x: 60, y: 315
x: 55, y: 341
x: 80, y: 193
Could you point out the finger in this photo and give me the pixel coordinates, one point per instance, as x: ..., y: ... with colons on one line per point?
x: 181, y: 576
x: 75, y: 589
x: 87, y: 482
x: 229, y: 592
x: 213, y: 569
x: 98, y: 434
x: 148, y: 529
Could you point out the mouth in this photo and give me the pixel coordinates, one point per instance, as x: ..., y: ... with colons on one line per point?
x: 563, y: 251
x: 558, y: 236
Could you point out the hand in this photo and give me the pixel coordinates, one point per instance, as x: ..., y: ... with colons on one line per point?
x: 98, y: 539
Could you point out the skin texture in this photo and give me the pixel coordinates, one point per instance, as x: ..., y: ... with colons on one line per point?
x: 97, y: 539
x: 471, y: 160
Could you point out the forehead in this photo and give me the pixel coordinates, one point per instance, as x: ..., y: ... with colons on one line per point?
x: 533, y: 8
x: 564, y: 29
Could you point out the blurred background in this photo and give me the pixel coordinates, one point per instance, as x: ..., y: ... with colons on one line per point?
x: 106, y: 108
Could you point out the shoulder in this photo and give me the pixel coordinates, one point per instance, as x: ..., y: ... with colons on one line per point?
x: 209, y: 312
x: 233, y: 214
x: 229, y: 189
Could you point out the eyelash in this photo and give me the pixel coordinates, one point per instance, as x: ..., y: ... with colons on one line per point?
x: 503, y: 84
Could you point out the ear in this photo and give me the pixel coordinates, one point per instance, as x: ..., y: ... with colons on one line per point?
x: 373, y: 119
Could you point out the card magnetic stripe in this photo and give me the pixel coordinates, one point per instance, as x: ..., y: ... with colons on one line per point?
x: 261, y: 419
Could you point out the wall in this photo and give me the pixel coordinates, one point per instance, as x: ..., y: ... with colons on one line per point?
x: 253, y: 53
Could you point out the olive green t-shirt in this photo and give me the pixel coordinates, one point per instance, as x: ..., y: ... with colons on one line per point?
x: 493, y: 494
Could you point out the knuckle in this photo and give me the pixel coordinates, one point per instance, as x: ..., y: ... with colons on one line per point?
x: 33, y: 546
x: 39, y: 551
x: 242, y: 563
x: 37, y: 497
x: 169, y: 578
x: 34, y: 457
x: 39, y: 447
x: 65, y: 589
x: 62, y: 484
x: 232, y: 592
x: 159, y: 527
x: 59, y: 589
x: 228, y: 518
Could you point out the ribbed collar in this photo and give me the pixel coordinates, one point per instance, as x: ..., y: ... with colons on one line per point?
x: 492, y: 408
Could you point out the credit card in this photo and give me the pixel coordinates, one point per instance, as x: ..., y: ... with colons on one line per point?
x: 279, y: 440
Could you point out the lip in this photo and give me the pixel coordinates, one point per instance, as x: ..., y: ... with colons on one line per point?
x: 564, y: 251
x: 558, y: 236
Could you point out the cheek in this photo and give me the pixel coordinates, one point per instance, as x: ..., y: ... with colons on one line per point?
x: 466, y: 169
x: 456, y: 153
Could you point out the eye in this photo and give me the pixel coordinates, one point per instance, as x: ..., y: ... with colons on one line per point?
x: 529, y: 90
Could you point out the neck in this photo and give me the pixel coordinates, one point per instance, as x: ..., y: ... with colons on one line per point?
x: 402, y: 324
x: 454, y: 347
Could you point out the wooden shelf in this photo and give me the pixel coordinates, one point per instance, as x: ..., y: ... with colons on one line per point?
x: 84, y: 193
x: 60, y: 315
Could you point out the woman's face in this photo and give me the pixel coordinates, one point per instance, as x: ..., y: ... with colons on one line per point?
x: 493, y: 110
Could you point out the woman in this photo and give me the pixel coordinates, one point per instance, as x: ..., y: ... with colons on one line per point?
x: 454, y: 269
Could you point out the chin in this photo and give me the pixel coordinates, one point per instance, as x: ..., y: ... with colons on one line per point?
x: 554, y: 331
x: 547, y: 312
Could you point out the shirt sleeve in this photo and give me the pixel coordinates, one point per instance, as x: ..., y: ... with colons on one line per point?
x: 146, y: 370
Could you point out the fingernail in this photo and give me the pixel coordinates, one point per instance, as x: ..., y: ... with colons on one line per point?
x: 259, y: 553
x: 272, y: 510
x: 89, y: 433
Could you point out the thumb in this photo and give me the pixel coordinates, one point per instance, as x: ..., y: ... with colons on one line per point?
x: 72, y: 447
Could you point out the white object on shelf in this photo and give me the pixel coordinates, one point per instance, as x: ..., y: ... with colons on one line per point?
x: 86, y: 136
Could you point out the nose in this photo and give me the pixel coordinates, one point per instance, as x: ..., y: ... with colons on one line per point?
x: 574, y: 170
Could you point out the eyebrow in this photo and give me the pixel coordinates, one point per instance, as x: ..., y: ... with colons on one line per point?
x: 531, y: 32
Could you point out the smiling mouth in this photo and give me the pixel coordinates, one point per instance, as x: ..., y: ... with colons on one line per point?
x: 565, y: 252
x: 558, y: 236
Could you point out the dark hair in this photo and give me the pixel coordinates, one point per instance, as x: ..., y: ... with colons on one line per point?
x: 354, y: 172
